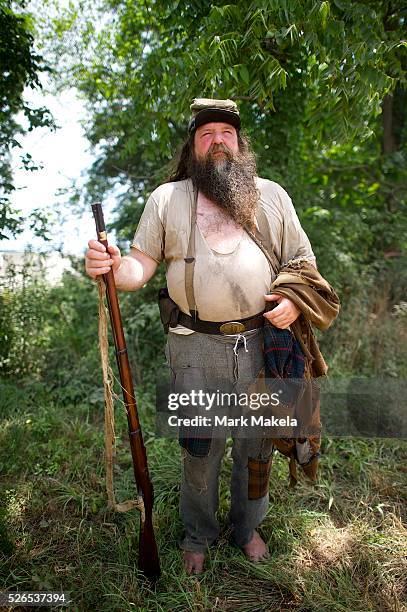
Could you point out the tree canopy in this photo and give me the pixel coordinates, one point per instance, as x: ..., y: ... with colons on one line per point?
x: 20, y: 67
x: 321, y: 90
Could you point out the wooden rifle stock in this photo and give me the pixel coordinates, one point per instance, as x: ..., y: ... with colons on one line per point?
x: 148, y: 561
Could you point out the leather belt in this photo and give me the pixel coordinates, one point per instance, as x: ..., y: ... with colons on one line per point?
x: 224, y: 328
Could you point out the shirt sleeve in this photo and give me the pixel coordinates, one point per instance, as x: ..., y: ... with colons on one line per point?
x: 295, y: 242
x: 150, y: 235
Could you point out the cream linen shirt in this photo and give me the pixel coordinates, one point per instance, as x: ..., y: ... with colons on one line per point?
x: 228, y: 286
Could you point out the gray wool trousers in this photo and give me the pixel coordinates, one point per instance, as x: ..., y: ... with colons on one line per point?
x: 203, y: 361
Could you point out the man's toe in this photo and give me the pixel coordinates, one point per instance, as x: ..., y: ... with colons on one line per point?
x: 256, y: 550
x: 193, y: 562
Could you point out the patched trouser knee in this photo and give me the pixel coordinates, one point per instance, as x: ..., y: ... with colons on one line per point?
x: 259, y: 477
x: 196, y: 471
x: 259, y: 461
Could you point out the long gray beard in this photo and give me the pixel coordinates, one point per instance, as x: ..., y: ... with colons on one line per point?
x: 228, y: 182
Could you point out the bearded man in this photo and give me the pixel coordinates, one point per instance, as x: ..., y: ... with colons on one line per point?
x: 201, y: 223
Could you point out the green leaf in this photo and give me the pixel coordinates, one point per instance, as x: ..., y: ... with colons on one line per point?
x: 244, y: 73
x: 324, y: 11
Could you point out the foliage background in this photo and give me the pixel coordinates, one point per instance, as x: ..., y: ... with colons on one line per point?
x: 322, y: 92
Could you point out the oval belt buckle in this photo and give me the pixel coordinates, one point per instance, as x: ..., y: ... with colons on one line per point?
x: 232, y: 327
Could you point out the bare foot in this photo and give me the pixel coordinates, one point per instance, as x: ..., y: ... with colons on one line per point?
x: 256, y: 550
x: 193, y: 562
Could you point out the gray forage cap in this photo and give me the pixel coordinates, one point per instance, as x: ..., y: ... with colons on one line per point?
x: 205, y: 110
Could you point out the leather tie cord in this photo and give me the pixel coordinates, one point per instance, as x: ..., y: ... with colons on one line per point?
x: 110, y: 438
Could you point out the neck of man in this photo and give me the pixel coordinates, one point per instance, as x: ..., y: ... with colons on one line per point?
x: 208, y: 208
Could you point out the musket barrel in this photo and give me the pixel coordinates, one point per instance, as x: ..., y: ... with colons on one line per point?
x: 99, y: 220
x: 148, y: 560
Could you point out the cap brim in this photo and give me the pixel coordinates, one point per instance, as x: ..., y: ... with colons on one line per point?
x: 207, y: 115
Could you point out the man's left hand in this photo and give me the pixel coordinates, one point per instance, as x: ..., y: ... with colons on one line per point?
x: 284, y: 314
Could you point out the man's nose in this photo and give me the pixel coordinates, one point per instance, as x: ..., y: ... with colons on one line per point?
x: 217, y: 138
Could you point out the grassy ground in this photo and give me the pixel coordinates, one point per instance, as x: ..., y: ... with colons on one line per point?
x: 338, y: 546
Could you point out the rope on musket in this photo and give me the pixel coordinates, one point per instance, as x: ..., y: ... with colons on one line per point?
x: 110, y: 437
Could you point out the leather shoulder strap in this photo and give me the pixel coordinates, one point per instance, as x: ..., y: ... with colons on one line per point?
x: 260, y: 238
x: 190, y: 260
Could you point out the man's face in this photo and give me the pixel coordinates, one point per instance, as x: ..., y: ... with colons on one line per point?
x: 223, y: 169
x: 213, y: 137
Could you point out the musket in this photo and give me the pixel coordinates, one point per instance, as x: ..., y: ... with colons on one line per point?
x: 148, y: 561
